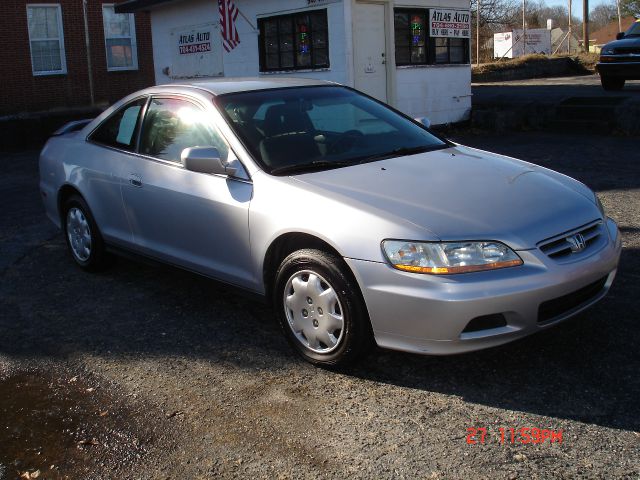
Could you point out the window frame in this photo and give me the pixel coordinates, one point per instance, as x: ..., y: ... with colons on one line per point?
x: 132, y: 36
x: 60, y: 39
x: 430, y: 42
x: 262, y: 55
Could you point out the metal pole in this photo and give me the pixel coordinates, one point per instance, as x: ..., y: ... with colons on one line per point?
x: 88, y: 48
x: 585, y: 25
x: 478, y: 33
x: 524, y: 27
x: 570, y: 34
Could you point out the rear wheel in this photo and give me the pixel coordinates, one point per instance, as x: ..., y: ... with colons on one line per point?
x: 320, y: 309
x: 83, y: 236
x: 612, y: 83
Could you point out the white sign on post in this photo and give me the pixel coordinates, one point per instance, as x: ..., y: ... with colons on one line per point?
x: 197, y: 51
x: 512, y: 44
x: 450, y: 23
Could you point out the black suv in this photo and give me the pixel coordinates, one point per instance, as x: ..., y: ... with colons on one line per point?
x: 620, y: 59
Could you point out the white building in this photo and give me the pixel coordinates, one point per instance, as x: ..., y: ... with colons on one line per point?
x: 412, y: 54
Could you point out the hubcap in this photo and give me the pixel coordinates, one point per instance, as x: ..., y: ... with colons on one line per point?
x: 79, y: 234
x: 313, y: 311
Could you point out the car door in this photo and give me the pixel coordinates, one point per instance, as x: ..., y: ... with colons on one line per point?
x: 195, y: 220
x: 109, y: 146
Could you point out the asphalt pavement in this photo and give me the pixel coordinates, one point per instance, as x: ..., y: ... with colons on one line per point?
x: 150, y: 372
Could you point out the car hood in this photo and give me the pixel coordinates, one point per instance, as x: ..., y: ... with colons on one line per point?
x: 461, y: 193
x: 624, y: 43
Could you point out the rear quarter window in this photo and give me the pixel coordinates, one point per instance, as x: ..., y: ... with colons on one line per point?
x: 119, y: 130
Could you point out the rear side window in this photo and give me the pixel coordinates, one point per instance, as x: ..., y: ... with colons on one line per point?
x: 171, y: 125
x: 119, y: 130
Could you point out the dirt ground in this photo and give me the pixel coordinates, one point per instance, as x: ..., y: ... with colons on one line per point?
x: 149, y: 372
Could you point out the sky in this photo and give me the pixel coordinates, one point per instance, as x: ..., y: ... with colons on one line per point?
x: 577, y: 5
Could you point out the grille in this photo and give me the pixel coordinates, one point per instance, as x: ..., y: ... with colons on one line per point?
x: 559, y: 247
x: 627, y: 50
x: 558, y: 306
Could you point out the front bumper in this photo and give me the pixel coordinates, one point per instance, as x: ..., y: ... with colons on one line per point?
x: 629, y: 70
x: 428, y: 314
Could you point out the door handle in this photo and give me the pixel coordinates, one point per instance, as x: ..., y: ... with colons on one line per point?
x: 135, y: 180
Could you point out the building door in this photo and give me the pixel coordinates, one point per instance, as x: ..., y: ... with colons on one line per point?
x: 370, y: 52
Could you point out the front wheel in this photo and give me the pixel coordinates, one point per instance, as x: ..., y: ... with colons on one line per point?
x: 321, y: 310
x: 612, y: 83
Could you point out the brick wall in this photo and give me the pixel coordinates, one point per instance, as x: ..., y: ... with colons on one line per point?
x: 21, y: 91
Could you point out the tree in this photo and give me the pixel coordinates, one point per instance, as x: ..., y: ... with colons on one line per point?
x: 630, y: 7
x: 496, y: 13
x: 602, y: 15
x: 538, y: 13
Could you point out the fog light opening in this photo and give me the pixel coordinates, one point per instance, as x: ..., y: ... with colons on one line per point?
x: 485, y: 322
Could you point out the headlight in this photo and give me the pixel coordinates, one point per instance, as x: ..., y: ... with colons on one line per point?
x: 443, y: 258
x: 606, y: 51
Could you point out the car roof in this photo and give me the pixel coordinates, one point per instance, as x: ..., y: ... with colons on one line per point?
x: 234, y: 85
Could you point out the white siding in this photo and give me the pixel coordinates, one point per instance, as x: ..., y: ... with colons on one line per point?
x: 243, y: 61
x: 442, y: 93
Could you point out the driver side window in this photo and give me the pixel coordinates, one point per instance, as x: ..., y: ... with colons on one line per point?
x: 171, y: 125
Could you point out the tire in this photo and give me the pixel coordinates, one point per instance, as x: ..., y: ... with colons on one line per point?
x: 321, y: 310
x: 612, y: 83
x: 82, y: 236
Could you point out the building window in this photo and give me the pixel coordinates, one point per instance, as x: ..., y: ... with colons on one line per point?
x: 294, y: 42
x: 451, y: 50
x: 415, y: 46
x: 46, y: 39
x: 411, y: 37
x: 119, y: 39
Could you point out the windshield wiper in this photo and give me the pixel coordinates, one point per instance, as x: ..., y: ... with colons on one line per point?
x: 315, y: 165
x: 398, y: 152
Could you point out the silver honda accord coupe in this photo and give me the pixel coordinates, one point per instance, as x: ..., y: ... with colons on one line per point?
x: 356, y: 222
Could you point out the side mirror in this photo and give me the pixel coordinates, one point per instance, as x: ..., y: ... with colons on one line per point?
x: 424, y: 121
x: 620, y: 36
x: 205, y: 160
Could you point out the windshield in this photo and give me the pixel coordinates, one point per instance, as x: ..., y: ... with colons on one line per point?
x: 299, y: 129
x: 634, y: 29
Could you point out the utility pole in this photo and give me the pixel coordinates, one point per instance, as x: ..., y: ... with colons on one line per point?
x: 524, y: 27
x: 585, y: 25
x: 478, y: 33
x: 619, y: 19
x: 570, y: 34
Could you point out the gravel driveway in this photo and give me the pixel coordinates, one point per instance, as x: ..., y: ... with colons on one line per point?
x: 149, y: 372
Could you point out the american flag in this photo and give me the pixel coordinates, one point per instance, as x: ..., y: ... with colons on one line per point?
x: 228, y: 14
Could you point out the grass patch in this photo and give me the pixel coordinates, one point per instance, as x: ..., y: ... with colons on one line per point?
x: 535, y: 65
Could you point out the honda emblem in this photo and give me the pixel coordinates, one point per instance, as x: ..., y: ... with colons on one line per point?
x: 577, y: 242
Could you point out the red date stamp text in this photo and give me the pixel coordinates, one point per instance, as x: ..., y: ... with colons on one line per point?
x: 524, y: 435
